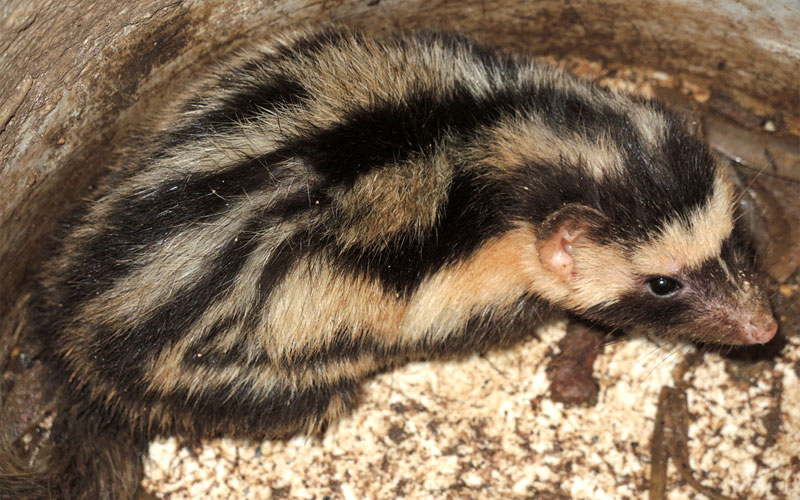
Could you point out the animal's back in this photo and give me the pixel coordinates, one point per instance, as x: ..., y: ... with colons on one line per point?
x: 262, y: 254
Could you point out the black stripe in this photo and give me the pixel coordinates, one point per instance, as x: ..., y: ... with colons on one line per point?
x: 490, y: 329
x: 178, y: 201
x: 738, y: 249
x: 389, y: 132
x: 235, y: 411
x: 203, y: 354
x: 471, y: 215
x: 643, y: 309
x: 705, y: 283
x: 260, y: 98
x: 649, y: 188
x: 170, y: 320
x: 567, y: 113
x: 137, y: 223
x: 483, y: 331
x: 654, y: 189
x: 258, y: 86
x: 274, y: 271
x: 542, y: 188
x: 244, y: 101
x: 342, y: 347
x: 292, y: 249
x: 278, y: 266
x: 310, y: 45
x: 127, y: 355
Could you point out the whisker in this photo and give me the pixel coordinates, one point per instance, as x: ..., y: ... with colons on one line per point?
x: 672, y: 353
x: 749, y: 185
x: 642, y: 358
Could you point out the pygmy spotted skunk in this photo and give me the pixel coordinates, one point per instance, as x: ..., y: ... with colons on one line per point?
x: 330, y: 204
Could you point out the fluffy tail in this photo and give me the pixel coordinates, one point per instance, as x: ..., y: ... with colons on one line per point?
x: 86, y: 456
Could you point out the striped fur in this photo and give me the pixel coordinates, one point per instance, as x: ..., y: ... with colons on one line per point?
x: 330, y: 204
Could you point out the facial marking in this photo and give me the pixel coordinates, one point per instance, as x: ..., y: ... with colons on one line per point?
x: 727, y: 271
x: 687, y: 243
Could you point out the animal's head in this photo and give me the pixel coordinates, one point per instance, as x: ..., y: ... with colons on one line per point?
x: 636, y: 225
x: 694, y: 276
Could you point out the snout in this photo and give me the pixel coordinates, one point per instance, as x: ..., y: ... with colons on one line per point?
x: 751, y: 324
x: 759, y: 330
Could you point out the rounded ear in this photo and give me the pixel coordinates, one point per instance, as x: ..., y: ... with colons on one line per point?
x: 562, y: 234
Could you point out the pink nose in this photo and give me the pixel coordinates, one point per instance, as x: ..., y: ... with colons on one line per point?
x: 755, y: 333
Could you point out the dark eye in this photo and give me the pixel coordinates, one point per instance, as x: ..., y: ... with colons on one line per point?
x: 663, y: 286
